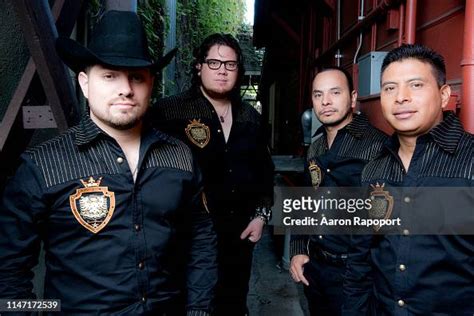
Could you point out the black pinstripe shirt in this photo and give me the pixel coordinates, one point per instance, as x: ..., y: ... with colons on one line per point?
x: 113, y: 246
x: 341, y: 166
x: 237, y: 174
x: 419, y: 274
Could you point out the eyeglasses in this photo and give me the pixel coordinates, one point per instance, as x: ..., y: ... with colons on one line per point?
x: 215, y: 64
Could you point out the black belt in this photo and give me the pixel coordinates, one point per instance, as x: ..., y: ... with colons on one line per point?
x: 326, y: 256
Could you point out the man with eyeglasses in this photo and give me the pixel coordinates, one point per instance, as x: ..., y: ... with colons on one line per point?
x: 226, y: 135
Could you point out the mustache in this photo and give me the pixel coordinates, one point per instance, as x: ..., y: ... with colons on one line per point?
x: 327, y: 110
x: 122, y: 100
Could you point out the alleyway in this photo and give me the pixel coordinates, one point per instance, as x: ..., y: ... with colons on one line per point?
x: 272, y: 292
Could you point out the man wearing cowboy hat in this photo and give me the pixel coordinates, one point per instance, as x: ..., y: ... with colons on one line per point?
x: 116, y: 203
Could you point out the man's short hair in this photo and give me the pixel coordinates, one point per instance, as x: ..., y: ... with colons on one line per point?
x: 200, y: 54
x: 350, y: 83
x: 421, y: 53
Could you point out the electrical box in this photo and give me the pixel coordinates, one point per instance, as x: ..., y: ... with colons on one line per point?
x: 369, y: 73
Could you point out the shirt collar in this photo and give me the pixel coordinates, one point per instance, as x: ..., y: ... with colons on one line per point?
x: 356, y: 127
x: 446, y: 134
x: 88, y: 131
x: 196, y: 92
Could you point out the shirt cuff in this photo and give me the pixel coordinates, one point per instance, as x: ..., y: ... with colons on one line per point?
x: 265, y: 214
x: 195, y: 312
x: 298, y: 247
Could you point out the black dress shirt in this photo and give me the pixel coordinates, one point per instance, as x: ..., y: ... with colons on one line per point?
x: 341, y: 166
x: 237, y: 174
x: 157, y: 251
x: 417, y: 274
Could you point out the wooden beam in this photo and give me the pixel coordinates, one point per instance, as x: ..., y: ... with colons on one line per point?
x: 65, y: 14
x: 15, y: 103
x: 286, y: 27
x: 40, y: 34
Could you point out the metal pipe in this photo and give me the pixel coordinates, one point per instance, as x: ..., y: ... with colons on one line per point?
x: 168, y: 76
x: 355, y: 67
x: 359, y: 18
x: 373, y: 32
x: 467, y: 67
x: 376, y: 13
x: 410, y: 26
x: 401, y: 24
x: 301, y: 66
x: 373, y: 37
x: 338, y: 32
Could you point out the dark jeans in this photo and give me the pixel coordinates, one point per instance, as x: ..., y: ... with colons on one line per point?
x: 324, y: 293
x: 234, y: 265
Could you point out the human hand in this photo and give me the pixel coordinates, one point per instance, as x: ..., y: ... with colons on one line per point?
x: 253, y: 230
x: 296, y: 268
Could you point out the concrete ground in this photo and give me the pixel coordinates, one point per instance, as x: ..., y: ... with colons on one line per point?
x: 272, y: 292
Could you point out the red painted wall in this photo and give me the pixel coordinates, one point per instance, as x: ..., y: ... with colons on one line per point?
x: 439, y: 25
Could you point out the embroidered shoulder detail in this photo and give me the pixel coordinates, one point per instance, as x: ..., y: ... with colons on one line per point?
x: 60, y: 160
x: 246, y: 113
x: 181, y: 107
x: 367, y: 147
x: 176, y: 156
x: 382, y: 168
x: 317, y: 148
x: 437, y: 162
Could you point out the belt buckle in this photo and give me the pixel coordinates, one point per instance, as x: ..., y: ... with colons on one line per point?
x: 327, y: 255
x: 332, y: 258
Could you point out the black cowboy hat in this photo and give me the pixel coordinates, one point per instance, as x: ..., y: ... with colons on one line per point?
x: 118, y: 40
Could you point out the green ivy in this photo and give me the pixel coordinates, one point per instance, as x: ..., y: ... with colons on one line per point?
x: 153, y: 15
x: 196, y: 19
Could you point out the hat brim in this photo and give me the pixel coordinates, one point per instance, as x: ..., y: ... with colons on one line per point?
x: 78, y: 57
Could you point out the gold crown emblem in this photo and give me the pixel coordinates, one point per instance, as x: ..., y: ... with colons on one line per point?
x: 377, y: 187
x: 195, y: 121
x: 91, y: 183
x: 312, y: 165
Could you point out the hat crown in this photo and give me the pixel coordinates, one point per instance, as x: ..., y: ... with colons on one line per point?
x: 118, y: 40
x: 120, y: 34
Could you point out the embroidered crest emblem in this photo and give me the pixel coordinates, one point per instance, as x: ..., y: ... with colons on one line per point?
x: 316, y: 175
x: 93, y: 205
x: 198, y: 133
x: 382, y: 204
